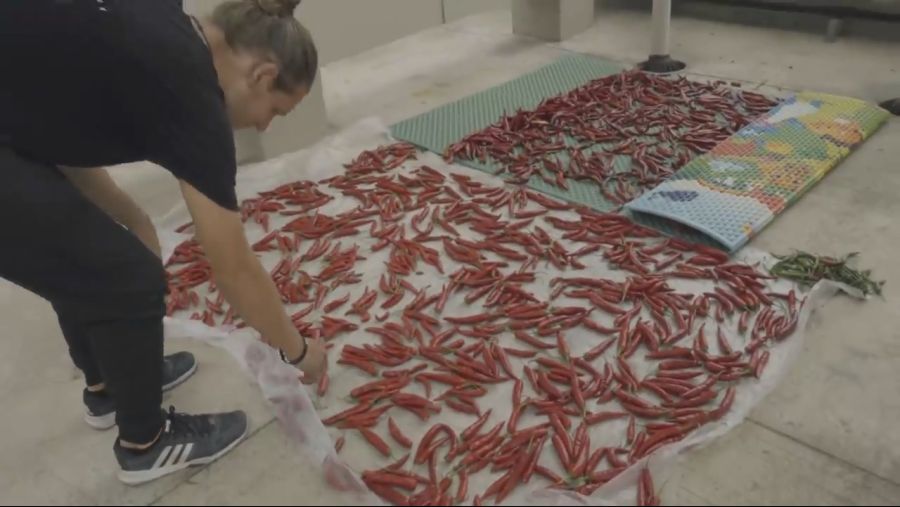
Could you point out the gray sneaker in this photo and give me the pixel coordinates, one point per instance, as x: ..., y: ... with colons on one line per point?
x: 177, y: 369
x: 101, y: 409
x: 893, y: 106
x: 186, y: 441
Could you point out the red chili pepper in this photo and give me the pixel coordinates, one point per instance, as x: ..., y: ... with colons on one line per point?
x: 645, y: 412
x: 699, y: 400
x: 646, y: 489
x: 678, y: 364
x: 398, y: 435
x: 627, y: 373
x: 463, y: 488
x: 761, y: 365
x: 389, y: 478
x: 534, y: 342
x: 631, y: 433
x: 563, y: 346
x: 390, y: 494
x: 724, y: 346
x: 631, y: 399
x: 376, y: 441
x: 672, y: 353
x: 679, y: 374
x: 701, y: 344
x: 592, y: 419
x: 525, y: 354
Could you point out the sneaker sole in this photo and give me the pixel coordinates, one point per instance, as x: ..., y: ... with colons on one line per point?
x: 181, y: 380
x: 143, y: 477
x: 101, y: 422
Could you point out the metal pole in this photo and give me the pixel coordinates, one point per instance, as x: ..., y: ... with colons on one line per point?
x: 660, y: 61
x: 835, y: 26
x: 662, y: 16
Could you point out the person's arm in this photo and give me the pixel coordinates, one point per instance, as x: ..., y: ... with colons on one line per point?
x: 99, y: 187
x: 184, y: 128
x: 246, y: 284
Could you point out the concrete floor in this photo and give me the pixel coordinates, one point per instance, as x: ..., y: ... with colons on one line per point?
x: 827, y: 435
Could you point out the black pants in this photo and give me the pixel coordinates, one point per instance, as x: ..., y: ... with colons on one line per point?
x: 107, y: 288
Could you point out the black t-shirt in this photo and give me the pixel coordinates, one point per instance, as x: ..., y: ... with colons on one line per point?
x: 88, y: 83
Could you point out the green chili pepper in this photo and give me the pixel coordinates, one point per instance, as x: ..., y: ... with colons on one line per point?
x: 808, y: 269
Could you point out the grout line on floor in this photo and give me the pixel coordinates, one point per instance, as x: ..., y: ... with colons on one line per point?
x: 199, y: 470
x: 823, y: 452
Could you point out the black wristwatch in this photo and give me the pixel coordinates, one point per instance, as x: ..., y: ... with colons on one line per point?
x: 299, y: 359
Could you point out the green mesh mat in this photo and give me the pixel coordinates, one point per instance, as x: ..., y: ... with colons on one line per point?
x: 722, y: 198
x: 437, y: 129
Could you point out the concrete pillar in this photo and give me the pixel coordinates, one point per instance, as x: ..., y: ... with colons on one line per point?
x: 552, y: 20
x: 248, y: 146
x: 303, y: 127
x: 307, y: 124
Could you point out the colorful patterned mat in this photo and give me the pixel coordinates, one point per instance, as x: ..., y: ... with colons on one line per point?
x: 731, y: 193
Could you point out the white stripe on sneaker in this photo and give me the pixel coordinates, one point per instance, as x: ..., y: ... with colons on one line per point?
x: 185, y: 455
x: 162, y: 457
x: 173, y: 459
x: 139, y: 477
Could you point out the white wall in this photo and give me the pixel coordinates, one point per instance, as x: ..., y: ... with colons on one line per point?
x: 456, y: 9
x: 341, y: 28
x: 344, y: 28
x: 248, y: 142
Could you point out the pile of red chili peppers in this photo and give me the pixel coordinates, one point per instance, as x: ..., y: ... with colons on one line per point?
x: 576, y: 352
x: 656, y: 124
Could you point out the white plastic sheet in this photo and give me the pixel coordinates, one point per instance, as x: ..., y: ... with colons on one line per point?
x: 298, y: 409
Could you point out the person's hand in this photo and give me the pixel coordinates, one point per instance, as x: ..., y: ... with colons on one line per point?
x: 315, y: 364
